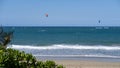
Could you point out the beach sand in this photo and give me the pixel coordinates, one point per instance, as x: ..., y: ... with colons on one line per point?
x: 83, y: 62
x: 87, y: 64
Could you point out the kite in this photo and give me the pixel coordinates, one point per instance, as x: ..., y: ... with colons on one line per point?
x: 46, y: 15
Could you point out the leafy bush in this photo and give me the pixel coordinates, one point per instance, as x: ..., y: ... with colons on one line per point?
x: 11, y: 58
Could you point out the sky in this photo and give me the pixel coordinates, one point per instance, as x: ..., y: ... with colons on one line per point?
x: 60, y: 12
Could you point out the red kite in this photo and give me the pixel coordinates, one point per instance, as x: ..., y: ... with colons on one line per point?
x: 46, y: 15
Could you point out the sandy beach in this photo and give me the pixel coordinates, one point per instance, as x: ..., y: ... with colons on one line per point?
x: 84, y: 62
x: 87, y: 64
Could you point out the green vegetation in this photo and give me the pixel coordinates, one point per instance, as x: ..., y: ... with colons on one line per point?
x: 11, y: 58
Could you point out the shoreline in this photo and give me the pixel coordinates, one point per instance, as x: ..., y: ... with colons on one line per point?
x: 87, y: 64
x: 83, y: 62
x: 88, y: 58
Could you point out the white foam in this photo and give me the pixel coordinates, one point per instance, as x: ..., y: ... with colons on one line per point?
x: 99, y: 56
x: 63, y: 46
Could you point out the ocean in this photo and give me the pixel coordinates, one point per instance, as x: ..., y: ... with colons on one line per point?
x: 67, y: 41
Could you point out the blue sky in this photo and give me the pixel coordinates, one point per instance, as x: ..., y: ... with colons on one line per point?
x: 61, y: 12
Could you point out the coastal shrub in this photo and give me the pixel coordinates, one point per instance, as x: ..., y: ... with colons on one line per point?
x: 50, y: 64
x: 11, y: 58
x: 60, y: 66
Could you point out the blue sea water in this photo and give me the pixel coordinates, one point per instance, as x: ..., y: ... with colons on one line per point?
x: 67, y: 41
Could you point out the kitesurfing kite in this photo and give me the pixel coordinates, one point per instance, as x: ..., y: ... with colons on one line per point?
x: 99, y: 21
x: 46, y: 15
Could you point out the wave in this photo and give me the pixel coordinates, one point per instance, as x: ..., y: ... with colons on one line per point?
x: 63, y: 46
x: 92, y: 56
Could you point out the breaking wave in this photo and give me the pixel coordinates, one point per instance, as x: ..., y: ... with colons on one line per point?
x: 63, y: 46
